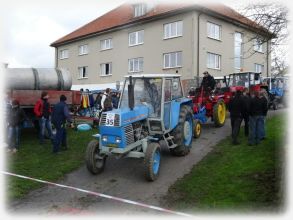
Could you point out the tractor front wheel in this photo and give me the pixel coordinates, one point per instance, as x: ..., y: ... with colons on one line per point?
x: 95, y: 162
x: 152, y: 161
x: 196, y: 129
x: 183, y: 132
x: 219, y: 113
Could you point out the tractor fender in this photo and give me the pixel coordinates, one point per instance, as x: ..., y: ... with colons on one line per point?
x: 175, y: 109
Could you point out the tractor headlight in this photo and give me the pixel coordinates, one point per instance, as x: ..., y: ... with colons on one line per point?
x: 118, y: 140
x: 105, y: 138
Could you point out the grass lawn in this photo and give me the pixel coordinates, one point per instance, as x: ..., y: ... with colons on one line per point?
x: 38, y: 161
x: 239, y: 178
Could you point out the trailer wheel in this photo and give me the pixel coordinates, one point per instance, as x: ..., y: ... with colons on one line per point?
x: 183, y: 132
x: 95, y: 162
x: 152, y: 161
x: 196, y: 129
x: 219, y: 113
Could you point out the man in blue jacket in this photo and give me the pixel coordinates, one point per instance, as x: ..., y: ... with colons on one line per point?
x: 60, y: 115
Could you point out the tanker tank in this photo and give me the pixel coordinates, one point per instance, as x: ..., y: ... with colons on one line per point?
x: 38, y: 79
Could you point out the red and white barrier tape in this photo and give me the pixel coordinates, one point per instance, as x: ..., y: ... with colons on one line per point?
x: 100, y: 195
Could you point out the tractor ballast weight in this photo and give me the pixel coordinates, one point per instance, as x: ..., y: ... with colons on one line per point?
x: 152, y: 112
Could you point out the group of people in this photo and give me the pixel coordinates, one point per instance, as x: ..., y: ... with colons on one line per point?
x: 46, y: 116
x: 107, y: 101
x: 252, y: 108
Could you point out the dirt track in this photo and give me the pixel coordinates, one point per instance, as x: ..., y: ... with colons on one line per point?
x: 122, y: 178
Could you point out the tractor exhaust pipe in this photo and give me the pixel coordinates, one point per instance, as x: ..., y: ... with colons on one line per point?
x: 130, y: 94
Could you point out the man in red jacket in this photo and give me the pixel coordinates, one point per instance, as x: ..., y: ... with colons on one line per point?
x: 43, y: 111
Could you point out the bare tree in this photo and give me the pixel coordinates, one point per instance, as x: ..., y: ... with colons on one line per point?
x: 270, y: 26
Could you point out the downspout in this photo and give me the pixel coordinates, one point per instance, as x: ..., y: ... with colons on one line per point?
x: 268, y: 58
x: 56, y: 57
x: 198, y: 35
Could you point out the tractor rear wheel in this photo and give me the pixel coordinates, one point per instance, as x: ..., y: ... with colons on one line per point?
x: 95, y: 162
x: 152, y: 161
x: 196, y: 129
x: 219, y: 113
x: 183, y: 132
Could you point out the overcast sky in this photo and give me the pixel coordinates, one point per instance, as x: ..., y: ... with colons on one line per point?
x: 30, y: 26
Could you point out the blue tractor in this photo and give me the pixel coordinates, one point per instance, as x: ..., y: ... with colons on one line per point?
x: 152, y: 114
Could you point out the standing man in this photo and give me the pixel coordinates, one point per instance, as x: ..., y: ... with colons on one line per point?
x: 208, y: 81
x: 255, y: 118
x: 16, y: 116
x: 265, y: 108
x: 43, y: 111
x: 59, y: 117
x: 106, y: 101
x: 246, y: 102
x: 236, y: 114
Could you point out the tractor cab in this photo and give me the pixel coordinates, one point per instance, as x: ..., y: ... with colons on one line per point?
x: 276, y: 85
x: 239, y: 81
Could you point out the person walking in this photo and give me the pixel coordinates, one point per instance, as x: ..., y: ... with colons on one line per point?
x: 106, y: 101
x: 16, y: 117
x: 60, y: 115
x: 246, y: 102
x: 43, y: 111
x: 265, y: 108
x: 255, y: 118
x: 235, y: 108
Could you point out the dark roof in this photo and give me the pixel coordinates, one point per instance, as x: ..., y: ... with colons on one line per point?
x: 123, y: 15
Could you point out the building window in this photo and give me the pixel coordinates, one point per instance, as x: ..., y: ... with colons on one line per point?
x: 139, y: 10
x: 258, y: 68
x: 63, y: 54
x: 106, y: 69
x: 83, y: 49
x: 135, y: 65
x: 174, y: 29
x: 173, y: 60
x: 106, y: 44
x: 83, y: 72
x: 213, y: 61
x: 214, y: 31
x: 238, y: 50
x: 258, y: 45
x: 136, y: 38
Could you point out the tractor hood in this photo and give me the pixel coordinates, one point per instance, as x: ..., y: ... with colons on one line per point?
x: 124, y: 116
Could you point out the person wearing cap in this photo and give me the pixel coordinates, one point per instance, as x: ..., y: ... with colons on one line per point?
x: 16, y: 117
x: 208, y: 81
x: 43, y: 111
x: 60, y: 115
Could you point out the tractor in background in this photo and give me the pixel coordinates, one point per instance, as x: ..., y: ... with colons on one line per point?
x: 152, y: 114
x: 278, y: 88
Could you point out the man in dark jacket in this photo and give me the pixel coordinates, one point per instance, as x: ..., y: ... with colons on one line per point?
x: 257, y: 108
x: 235, y: 107
x: 16, y: 116
x: 246, y: 102
x: 208, y: 81
x: 43, y: 111
x: 264, y: 101
x: 106, y: 101
x: 60, y: 115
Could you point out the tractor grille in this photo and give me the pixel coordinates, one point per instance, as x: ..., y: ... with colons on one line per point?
x: 116, y: 119
x: 129, y: 135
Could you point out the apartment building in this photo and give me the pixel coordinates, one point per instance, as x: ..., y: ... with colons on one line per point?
x: 187, y: 39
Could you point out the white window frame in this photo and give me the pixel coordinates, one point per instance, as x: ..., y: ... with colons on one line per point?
x: 103, y: 69
x: 106, y: 44
x: 213, y: 61
x: 136, y: 36
x: 167, y: 58
x: 240, y: 57
x: 63, y: 54
x: 83, y: 75
x: 135, y: 65
x: 83, y: 49
x: 258, y: 46
x: 178, y: 31
x: 211, y: 31
x: 139, y: 10
x: 257, y: 66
